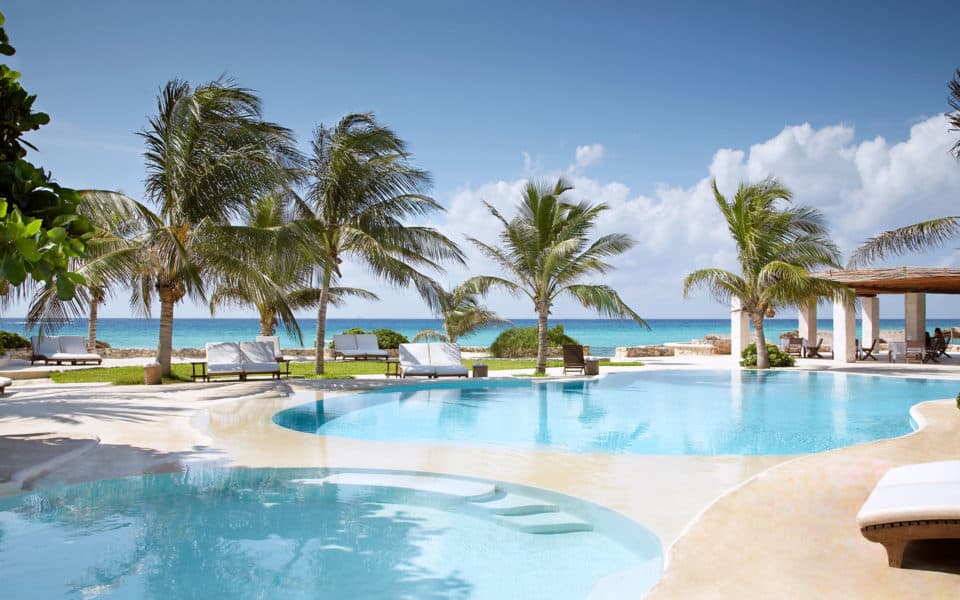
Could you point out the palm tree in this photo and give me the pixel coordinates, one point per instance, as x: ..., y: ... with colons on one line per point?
x: 923, y: 235
x: 362, y: 189
x: 777, y: 248
x: 462, y: 314
x: 288, y: 262
x: 208, y: 151
x: 546, y: 249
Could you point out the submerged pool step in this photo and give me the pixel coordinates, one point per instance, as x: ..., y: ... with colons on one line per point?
x: 454, y: 488
x: 515, y: 504
x: 546, y: 522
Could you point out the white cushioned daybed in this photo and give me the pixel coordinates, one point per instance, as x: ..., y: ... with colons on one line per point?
x: 436, y: 359
x: 241, y: 359
x: 357, y: 346
x: 913, y: 502
x: 61, y: 349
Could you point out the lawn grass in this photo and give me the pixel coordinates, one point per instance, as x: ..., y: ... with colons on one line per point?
x: 340, y: 369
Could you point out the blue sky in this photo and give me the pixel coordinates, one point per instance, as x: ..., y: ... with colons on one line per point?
x: 487, y: 94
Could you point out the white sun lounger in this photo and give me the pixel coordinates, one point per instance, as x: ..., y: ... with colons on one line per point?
x: 436, y: 359
x: 243, y: 359
x: 61, y: 349
x: 913, y: 502
x: 357, y: 346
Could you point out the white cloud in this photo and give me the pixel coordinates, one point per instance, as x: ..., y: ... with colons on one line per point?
x: 589, y: 155
x: 862, y: 187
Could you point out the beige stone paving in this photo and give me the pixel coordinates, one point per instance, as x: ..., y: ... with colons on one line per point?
x: 789, y: 532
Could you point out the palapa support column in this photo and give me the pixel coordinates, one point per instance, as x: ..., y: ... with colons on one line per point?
x: 807, y: 322
x: 869, y: 319
x: 844, y: 332
x: 739, y: 329
x: 914, y: 315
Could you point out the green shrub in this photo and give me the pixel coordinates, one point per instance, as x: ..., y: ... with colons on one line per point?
x: 10, y: 340
x: 389, y: 339
x: 778, y: 358
x: 522, y: 341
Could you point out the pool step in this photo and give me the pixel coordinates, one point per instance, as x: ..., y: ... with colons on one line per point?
x: 454, y: 488
x: 515, y: 504
x: 546, y: 522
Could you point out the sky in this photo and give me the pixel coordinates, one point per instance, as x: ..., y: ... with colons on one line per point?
x: 638, y: 104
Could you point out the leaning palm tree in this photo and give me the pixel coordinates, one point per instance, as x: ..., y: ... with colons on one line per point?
x: 546, y: 248
x: 208, y: 150
x: 362, y: 190
x: 462, y: 314
x: 926, y: 234
x: 777, y: 246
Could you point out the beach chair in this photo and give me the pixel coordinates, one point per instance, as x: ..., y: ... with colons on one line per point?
x: 794, y: 346
x: 415, y: 360
x: 942, y: 347
x: 445, y: 359
x: 573, y: 358
x: 275, y: 341
x: 367, y: 344
x: 913, y: 502
x: 865, y: 353
x: 812, y: 351
x: 258, y: 358
x: 916, y: 351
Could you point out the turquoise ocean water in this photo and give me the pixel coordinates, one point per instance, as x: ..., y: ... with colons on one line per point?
x: 603, y: 335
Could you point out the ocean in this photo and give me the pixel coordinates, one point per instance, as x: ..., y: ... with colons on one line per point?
x: 602, y: 335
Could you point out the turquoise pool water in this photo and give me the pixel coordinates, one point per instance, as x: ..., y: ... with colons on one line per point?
x: 654, y: 412
x: 276, y: 533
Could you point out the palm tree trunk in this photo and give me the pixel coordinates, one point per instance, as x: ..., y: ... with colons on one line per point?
x: 92, y: 325
x: 322, y: 322
x: 763, y: 358
x: 266, y: 323
x: 165, y: 345
x: 541, y: 342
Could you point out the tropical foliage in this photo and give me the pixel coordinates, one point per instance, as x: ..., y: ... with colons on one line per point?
x: 522, y: 341
x: 776, y: 356
x: 547, y: 252
x: 462, y: 314
x: 362, y: 189
x: 778, y: 246
x: 41, y: 231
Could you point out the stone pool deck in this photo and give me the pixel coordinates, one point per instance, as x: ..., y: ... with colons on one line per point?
x: 788, y: 531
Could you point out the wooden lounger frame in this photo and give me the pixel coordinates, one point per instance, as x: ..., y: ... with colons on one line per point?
x: 896, y: 536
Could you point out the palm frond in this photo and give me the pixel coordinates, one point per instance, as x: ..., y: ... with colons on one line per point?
x: 912, y: 238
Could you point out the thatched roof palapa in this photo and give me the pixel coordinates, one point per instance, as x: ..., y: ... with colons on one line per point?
x: 897, y: 280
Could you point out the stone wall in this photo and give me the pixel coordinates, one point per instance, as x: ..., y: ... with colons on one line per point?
x: 641, y: 351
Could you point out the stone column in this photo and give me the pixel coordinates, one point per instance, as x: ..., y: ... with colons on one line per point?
x: 914, y: 315
x: 739, y: 329
x: 844, y: 332
x: 869, y: 320
x: 807, y: 322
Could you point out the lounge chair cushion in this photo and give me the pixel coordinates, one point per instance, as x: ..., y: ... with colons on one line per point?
x: 259, y: 357
x: 367, y: 344
x: 73, y: 344
x: 445, y: 357
x: 920, y: 492
x: 275, y: 341
x: 223, y: 357
x: 46, y: 346
x: 345, y: 343
x: 415, y: 359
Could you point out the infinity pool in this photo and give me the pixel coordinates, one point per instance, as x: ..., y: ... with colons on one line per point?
x: 309, y: 533
x: 654, y: 412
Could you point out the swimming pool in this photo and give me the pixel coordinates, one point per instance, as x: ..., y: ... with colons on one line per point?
x: 311, y: 533
x: 655, y: 412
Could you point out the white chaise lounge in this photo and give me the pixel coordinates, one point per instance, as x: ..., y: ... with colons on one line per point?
x: 274, y: 340
x: 357, y: 346
x: 913, y: 502
x: 61, y: 349
x: 243, y: 359
x: 436, y: 359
